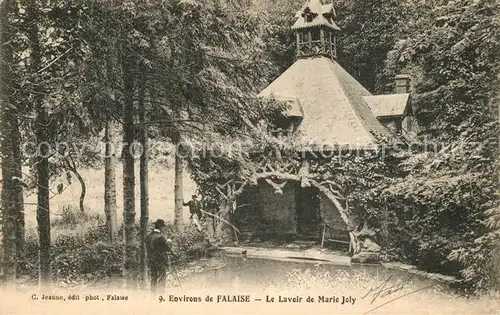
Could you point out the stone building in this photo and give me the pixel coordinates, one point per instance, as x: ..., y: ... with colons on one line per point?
x: 328, y: 107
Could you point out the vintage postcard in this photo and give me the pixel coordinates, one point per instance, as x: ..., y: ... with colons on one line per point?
x: 249, y: 157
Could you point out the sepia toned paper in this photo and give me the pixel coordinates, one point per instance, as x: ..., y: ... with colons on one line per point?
x: 373, y: 191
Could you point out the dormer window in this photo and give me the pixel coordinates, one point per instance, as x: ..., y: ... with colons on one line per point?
x: 308, y: 15
x: 284, y: 126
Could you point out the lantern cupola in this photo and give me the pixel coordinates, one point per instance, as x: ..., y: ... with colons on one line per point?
x: 316, y: 30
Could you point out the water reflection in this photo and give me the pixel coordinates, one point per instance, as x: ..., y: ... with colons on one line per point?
x: 240, y: 274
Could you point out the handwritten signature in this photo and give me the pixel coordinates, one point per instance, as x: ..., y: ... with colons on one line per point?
x: 384, y: 290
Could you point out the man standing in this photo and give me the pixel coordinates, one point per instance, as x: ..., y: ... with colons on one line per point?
x: 194, y: 207
x: 158, y: 249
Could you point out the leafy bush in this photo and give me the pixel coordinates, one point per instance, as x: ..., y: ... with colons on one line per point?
x: 78, y: 259
x: 71, y: 216
x: 31, y: 254
x: 446, y: 211
x: 190, y: 243
x: 82, y: 258
x: 435, y: 219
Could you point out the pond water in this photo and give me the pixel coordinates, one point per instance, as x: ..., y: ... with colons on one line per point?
x: 357, y: 289
x: 236, y: 273
x: 264, y: 286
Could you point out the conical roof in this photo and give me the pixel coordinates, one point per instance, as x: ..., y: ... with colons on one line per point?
x: 332, y: 102
x: 320, y: 14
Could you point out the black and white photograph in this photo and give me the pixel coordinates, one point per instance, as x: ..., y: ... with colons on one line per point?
x: 249, y: 157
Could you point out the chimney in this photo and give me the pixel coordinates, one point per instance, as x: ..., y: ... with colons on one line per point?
x: 402, y: 84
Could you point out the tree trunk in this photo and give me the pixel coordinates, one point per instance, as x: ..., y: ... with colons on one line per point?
x: 110, y: 210
x: 8, y: 215
x: 71, y: 166
x: 42, y: 163
x: 130, y: 255
x: 18, y: 197
x: 143, y: 174
x: 364, y: 249
x: 43, y: 204
x: 8, y: 209
x: 83, y: 187
x: 110, y: 183
x: 7, y: 154
x: 224, y: 232
x: 179, y: 199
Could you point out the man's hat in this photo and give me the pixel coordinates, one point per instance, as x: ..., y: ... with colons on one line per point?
x: 160, y: 223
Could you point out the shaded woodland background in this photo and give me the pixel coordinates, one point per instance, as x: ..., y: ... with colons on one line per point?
x: 85, y: 71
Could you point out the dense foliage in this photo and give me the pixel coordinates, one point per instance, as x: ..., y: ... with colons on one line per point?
x: 449, y: 199
x: 189, y: 66
x: 436, y: 206
x: 83, y: 255
x: 439, y: 208
x: 198, y: 64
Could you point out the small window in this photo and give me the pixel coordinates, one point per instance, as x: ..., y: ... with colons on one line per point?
x: 315, y: 35
x: 302, y: 37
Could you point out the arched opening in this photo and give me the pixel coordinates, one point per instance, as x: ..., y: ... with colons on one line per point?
x: 287, y: 212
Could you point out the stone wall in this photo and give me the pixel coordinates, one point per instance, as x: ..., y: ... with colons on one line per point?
x: 247, y: 216
x: 263, y: 213
x: 331, y: 216
x: 278, y: 210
